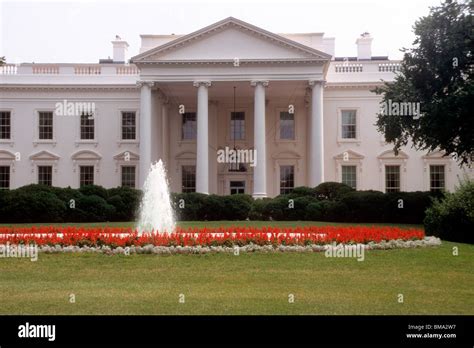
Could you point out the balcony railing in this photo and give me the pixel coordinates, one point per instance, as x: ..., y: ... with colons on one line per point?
x: 69, y: 69
x: 389, y: 67
x: 8, y: 69
x: 349, y: 68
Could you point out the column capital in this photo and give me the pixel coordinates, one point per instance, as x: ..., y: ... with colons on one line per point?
x: 205, y: 83
x: 313, y: 83
x: 142, y: 83
x: 254, y: 83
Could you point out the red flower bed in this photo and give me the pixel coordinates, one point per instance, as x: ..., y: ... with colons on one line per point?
x: 226, y: 236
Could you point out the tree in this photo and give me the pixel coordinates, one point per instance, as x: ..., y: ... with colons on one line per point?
x: 436, y: 73
x: 2, y: 61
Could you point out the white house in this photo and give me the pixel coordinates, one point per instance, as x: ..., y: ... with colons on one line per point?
x: 297, y: 114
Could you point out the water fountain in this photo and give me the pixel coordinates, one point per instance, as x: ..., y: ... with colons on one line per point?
x: 156, y: 213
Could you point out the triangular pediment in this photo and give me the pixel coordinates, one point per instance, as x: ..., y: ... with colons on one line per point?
x: 350, y: 155
x: 7, y: 155
x: 230, y: 39
x: 127, y: 156
x: 44, y: 156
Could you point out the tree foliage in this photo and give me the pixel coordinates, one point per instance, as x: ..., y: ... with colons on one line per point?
x: 437, y: 72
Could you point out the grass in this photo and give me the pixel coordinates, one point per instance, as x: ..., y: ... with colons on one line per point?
x: 199, y: 224
x: 432, y: 281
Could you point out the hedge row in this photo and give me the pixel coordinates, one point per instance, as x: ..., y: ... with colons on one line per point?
x: 327, y: 202
x: 39, y: 203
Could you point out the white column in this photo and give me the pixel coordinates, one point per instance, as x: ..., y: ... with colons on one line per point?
x: 260, y: 169
x: 202, y: 152
x: 165, y: 132
x: 316, y: 135
x: 145, y: 129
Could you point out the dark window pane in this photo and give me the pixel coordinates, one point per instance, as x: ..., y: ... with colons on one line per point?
x: 392, y: 178
x: 128, y: 176
x: 349, y: 176
x: 86, y: 175
x: 87, y: 126
x: 437, y: 180
x: 4, y: 177
x: 287, y: 126
x: 45, y: 175
x: 128, y: 126
x: 46, y: 125
x: 5, y: 125
x: 189, y: 127
x: 287, y: 179
x: 188, y: 179
x: 237, y: 125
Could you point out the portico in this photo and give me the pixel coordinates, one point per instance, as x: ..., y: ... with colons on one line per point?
x: 196, y: 75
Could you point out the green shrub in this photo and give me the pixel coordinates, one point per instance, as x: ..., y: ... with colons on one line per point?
x: 94, y: 190
x: 259, y: 210
x: 300, y: 191
x: 406, y: 207
x: 213, y: 208
x: 452, y: 218
x: 331, y: 190
x: 126, y: 202
x: 236, y: 207
x: 189, y: 206
x: 92, y: 209
x: 33, y: 205
x: 363, y: 206
x: 295, y: 208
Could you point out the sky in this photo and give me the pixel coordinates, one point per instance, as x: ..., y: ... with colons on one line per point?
x: 81, y: 31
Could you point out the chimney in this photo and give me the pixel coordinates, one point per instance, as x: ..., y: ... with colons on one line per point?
x: 120, y: 49
x: 364, y: 47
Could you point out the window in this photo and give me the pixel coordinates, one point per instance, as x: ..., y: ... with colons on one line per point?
x: 237, y: 125
x: 437, y: 177
x: 348, y: 124
x: 237, y: 187
x: 129, y: 127
x: 87, y: 126
x: 349, y: 176
x: 287, y: 126
x: 287, y: 179
x: 188, y: 179
x: 128, y: 176
x: 392, y: 178
x: 4, y: 177
x: 45, y: 175
x: 237, y: 167
x: 45, y: 125
x: 5, y: 125
x: 86, y: 176
x: 189, y: 126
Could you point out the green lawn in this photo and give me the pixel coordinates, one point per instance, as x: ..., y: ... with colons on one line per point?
x: 218, y: 224
x: 432, y: 281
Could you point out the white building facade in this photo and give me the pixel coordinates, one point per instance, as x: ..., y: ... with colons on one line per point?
x: 296, y: 114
